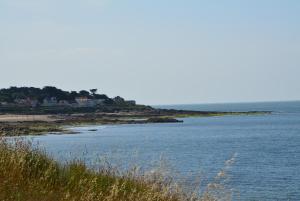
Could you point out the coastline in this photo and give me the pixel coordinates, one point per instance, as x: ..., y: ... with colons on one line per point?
x: 21, y: 125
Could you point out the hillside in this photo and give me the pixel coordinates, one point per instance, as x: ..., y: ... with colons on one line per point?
x: 50, y: 99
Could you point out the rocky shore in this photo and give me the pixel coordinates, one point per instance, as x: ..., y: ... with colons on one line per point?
x: 16, y: 125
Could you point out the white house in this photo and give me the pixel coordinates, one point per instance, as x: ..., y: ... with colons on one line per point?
x: 86, y: 102
x: 26, y: 102
x: 50, y: 102
x: 4, y: 104
x: 81, y: 101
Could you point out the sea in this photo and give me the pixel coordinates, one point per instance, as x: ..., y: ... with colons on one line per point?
x: 255, y: 157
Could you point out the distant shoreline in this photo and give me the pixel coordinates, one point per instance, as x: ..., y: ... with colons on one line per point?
x: 17, y: 125
x: 35, y: 111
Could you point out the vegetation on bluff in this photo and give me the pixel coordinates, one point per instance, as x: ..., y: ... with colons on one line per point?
x: 28, y: 174
x: 11, y: 94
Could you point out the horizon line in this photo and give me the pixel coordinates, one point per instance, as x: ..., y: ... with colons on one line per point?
x: 215, y: 103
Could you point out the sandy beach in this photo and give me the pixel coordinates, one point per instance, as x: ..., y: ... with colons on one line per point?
x: 26, y: 118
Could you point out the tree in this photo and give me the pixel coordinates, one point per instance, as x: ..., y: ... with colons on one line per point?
x: 72, y: 96
x: 109, y: 101
x: 49, y: 91
x: 93, y: 91
x: 9, y: 95
x: 84, y: 93
x: 101, y: 96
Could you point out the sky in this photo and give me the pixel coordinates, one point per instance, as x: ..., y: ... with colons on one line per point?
x: 156, y: 52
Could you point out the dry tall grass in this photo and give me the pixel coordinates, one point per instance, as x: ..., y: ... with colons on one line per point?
x: 28, y: 174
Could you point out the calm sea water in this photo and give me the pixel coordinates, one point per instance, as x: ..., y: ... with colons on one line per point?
x: 266, y: 148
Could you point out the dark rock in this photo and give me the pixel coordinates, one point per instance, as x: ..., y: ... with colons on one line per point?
x: 163, y: 120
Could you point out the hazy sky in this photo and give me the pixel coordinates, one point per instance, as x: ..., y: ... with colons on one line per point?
x: 155, y: 51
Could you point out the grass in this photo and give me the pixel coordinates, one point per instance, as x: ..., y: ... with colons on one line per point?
x: 29, y: 174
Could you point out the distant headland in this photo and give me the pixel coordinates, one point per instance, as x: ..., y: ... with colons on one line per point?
x: 50, y: 96
x: 30, y: 110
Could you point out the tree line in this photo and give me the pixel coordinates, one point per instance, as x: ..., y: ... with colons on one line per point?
x: 9, y: 95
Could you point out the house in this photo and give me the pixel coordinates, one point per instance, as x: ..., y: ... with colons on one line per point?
x: 63, y: 103
x: 48, y: 102
x: 99, y: 101
x: 21, y: 101
x: 85, y: 102
x: 34, y: 103
x: 91, y: 103
x: 3, y: 103
x: 81, y: 101
x: 26, y: 102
